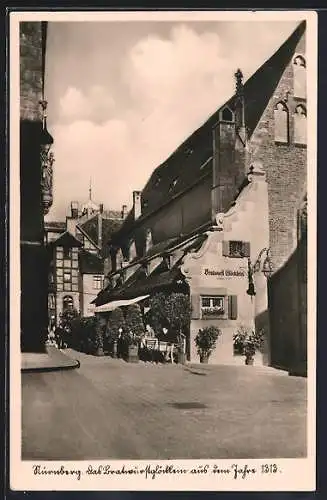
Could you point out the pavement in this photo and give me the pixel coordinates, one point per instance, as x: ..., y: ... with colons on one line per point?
x: 52, y: 359
x: 109, y: 409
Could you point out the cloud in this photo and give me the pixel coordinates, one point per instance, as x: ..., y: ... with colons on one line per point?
x: 95, y: 106
x: 171, y: 86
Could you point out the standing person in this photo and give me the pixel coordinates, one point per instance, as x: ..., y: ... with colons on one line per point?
x: 59, y: 334
x: 170, y: 338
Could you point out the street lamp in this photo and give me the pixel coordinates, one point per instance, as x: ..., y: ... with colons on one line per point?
x: 265, y: 267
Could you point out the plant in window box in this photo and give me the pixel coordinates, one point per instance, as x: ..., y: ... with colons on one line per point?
x: 213, y: 311
x: 206, y: 340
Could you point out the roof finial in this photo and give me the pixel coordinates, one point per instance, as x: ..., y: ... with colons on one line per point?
x: 239, y: 82
x: 90, y: 189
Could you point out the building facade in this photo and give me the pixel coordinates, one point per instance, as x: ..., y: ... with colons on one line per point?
x: 237, y: 182
x: 36, y: 164
x: 76, y: 272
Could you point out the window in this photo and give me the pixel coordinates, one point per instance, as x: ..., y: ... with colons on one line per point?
x: 173, y: 184
x: 67, y: 253
x: 67, y: 302
x: 67, y: 277
x: 212, y: 307
x: 227, y: 115
x: 51, y: 301
x: 97, y: 282
x: 132, y: 250
x: 299, y: 76
x: 236, y: 249
x: 67, y: 263
x: 281, y: 123
x: 300, y: 125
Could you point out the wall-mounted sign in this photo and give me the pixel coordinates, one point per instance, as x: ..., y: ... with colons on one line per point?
x: 224, y: 273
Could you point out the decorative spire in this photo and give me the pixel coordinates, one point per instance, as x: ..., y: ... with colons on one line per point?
x: 90, y: 189
x: 239, y: 82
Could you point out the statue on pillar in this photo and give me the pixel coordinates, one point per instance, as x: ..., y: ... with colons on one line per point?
x: 47, y: 160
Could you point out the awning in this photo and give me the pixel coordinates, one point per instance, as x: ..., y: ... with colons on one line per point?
x: 110, y: 306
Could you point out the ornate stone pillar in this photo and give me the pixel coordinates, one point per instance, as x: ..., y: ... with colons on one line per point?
x: 47, y: 161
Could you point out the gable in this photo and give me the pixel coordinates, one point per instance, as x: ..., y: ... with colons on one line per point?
x: 192, y: 160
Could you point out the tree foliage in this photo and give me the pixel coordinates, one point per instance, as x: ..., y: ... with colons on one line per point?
x: 115, y: 321
x: 134, y: 320
x: 170, y: 311
x: 206, y: 340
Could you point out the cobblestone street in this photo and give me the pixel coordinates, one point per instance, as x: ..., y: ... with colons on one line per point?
x: 111, y: 409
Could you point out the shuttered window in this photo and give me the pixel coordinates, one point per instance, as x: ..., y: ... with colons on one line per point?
x: 236, y: 249
x: 232, y: 307
x: 196, y: 306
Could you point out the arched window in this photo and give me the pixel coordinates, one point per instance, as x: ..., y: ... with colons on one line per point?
x: 299, y: 69
x: 227, y: 115
x: 281, y: 125
x: 67, y: 302
x: 300, y: 125
x: 119, y: 258
x: 148, y: 240
x: 132, y: 250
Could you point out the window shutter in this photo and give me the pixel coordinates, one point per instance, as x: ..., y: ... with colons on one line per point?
x: 232, y: 306
x: 226, y: 249
x: 195, y: 306
x: 246, y: 249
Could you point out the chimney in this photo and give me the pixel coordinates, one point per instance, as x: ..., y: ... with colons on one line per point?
x: 74, y: 209
x: 137, y: 204
x: 124, y: 212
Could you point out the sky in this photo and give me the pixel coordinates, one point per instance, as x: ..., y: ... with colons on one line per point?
x: 122, y: 96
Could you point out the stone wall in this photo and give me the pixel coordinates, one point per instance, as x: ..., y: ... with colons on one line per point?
x: 286, y: 167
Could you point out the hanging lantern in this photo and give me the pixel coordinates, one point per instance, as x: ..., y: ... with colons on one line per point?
x: 251, y: 290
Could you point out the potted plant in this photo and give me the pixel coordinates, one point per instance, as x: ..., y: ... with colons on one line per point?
x: 99, y: 336
x: 178, y: 313
x: 134, y: 331
x: 114, y: 329
x: 247, y: 342
x: 205, y: 341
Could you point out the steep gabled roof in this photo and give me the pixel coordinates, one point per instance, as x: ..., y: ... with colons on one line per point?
x: 109, y: 226
x: 66, y: 240
x: 89, y: 263
x: 193, y: 158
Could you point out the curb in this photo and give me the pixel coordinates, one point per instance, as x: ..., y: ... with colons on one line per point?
x: 72, y: 366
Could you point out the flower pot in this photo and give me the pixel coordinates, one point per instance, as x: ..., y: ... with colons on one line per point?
x: 133, y: 354
x: 204, y: 358
x: 115, y: 349
x: 181, y: 357
x: 249, y: 360
x: 99, y: 351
